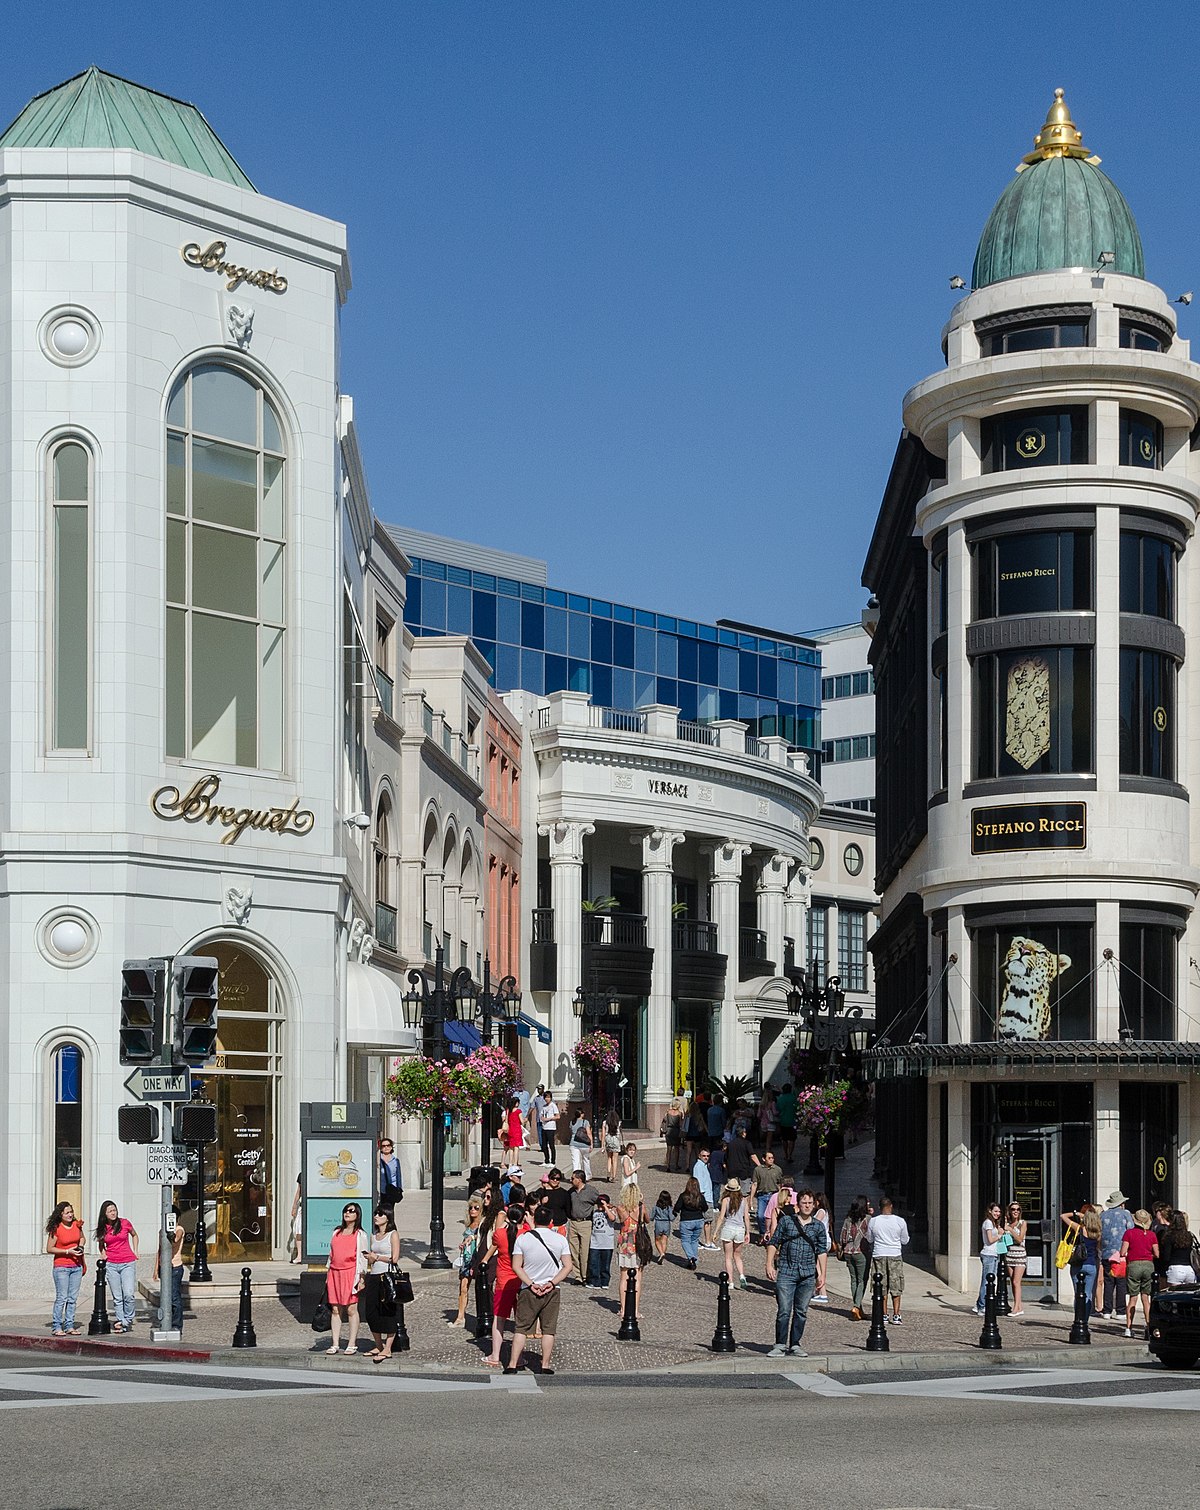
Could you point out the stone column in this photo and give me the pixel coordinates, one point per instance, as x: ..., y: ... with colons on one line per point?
x: 726, y: 888
x: 434, y: 913
x: 961, y: 1246
x: 959, y: 1027
x: 772, y: 884
x: 795, y: 913
x: 832, y: 954
x: 453, y: 921
x: 657, y: 847
x: 566, y: 897
x: 1107, y: 1105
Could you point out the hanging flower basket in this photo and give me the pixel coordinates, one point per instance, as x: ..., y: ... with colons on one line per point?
x: 424, y: 1087
x: 598, y: 1051
x: 820, y: 1108
x: 497, y: 1068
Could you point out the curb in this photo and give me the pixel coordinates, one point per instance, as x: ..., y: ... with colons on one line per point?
x: 86, y: 1347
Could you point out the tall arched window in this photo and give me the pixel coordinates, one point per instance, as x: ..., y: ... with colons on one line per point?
x: 225, y: 571
x: 66, y: 1069
x: 70, y: 480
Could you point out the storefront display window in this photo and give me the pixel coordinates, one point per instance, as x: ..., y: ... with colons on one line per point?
x: 1033, y: 981
x: 1149, y: 968
x: 1033, y: 712
x: 1141, y: 441
x: 1147, y: 714
x: 1044, y: 571
x: 1035, y: 438
x: 1147, y: 574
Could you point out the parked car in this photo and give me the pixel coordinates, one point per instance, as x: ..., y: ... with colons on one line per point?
x: 1175, y: 1326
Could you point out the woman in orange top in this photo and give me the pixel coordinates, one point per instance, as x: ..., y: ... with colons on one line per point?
x: 64, y: 1241
x: 347, y: 1265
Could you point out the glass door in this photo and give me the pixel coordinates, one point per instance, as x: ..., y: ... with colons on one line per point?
x: 1029, y: 1173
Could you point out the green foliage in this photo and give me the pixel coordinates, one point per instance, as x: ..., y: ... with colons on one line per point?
x: 600, y: 904
x: 731, y: 1088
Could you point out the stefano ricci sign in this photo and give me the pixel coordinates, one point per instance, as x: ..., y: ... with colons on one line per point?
x: 201, y: 804
x: 1034, y: 825
x: 215, y: 258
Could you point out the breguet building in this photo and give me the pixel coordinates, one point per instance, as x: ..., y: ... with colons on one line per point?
x: 1034, y: 623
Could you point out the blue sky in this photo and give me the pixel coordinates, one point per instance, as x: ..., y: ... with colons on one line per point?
x: 639, y: 286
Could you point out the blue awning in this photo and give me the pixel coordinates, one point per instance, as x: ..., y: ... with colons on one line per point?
x: 524, y: 1025
x: 462, y: 1037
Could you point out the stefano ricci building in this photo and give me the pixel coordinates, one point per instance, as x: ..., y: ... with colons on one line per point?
x: 1037, y: 733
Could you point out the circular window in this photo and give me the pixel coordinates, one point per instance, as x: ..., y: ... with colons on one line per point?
x: 852, y: 859
x: 67, y: 937
x: 816, y: 854
x: 69, y: 336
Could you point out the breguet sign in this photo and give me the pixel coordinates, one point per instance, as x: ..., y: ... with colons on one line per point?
x: 214, y: 258
x: 1035, y: 825
x: 200, y: 804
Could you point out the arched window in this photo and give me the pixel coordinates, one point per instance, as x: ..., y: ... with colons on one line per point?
x: 225, y: 571
x: 70, y: 487
x: 66, y: 1072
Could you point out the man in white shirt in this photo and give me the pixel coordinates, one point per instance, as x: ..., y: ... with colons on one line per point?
x: 703, y: 1177
x: 548, y: 1123
x: 541, y: 1260
x: 887, y: 1233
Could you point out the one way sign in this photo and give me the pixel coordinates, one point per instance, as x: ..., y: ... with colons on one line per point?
x: 160, y: 1085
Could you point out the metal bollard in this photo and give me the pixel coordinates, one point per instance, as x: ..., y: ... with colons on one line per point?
x: 402, y: 1343
x: 483, y: 1305
x: 629, y: 1331
x: 723, y: 1341
x: 1003, y: 1308
x: 989, y: 1337
x: 877, y: 1337
x: 1079, y: 1334
x: 99, y: 1324
x: 244, y: 1335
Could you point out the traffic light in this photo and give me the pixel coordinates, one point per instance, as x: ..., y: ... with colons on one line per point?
x: 196, y: 1122
x: 195, y: 978
x: 137, y: 1124
x: 143, y: 996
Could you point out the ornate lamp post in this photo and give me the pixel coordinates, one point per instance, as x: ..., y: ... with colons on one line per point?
x: 432, y: 1009
x: 502, y: 1006
x: 826, y: 1025
x: 594, y: 1007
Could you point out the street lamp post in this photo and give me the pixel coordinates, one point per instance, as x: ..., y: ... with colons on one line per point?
x: 827, y: 1026
x: 503, y: 1006
x: 432, y: 1009
x: 594, y: 1007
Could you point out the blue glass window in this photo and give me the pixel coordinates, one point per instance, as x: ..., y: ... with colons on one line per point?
x: 643, y: 649
x: 808, y: 690
x: 688, y: 701
x: 727, y: 704
x: 556, y: 673
x: 707, y: 632
x: 622, y: 689
x: 508, y: 667
x: 433, y: 605
x: 688, y: 658
x: 728, y: 668
x: 533, y: 671
x: 487, y: 649
x: 508, y: 621
x: 580, y: 678
x: 707, y: 668
x: 532, y: 593
x: 622, y: 645
x: 556, y: 630
x: 483, y: 580
x: 603, y: 609
x: 766, y: 676
x: 646, y: 688
x: 533, y: 626
x: 458, y: 610
x: 668, y: 655
x: 668, y: 691
x: 708, y: 704
x: 483, y: 615
x: 508, y: 587
x: 578, y: 604
x: 458, y: 575
x: 579, y: 635
x: 644, y: 619
x: 555, y: 598
x: 433, y: 569
x: 602, y: 690
x: 412, y: 602
x: 602, y: 641
x: 785, y: 682
x: 747, y: 672
x: 622, y: 614
x: 726, y: 637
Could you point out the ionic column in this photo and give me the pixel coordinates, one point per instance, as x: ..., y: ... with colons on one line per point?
x: 727, y: 861
x: 453, y: 922
x: 657, y: 872
x: 434, y: 912
x: 772, y: 884
x: 795, y: 913
x: 566, y: 897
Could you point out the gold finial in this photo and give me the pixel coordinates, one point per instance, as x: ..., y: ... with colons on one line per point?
x: 1059, y: 137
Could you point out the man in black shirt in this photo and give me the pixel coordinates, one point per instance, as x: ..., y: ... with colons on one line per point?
x: 740, y: 1159
x: 556, y: 1197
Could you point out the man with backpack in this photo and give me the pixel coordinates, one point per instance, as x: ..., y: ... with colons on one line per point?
x: 792, y: 1251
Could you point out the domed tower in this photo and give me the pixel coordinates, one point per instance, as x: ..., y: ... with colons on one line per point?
x: 1039, y: 884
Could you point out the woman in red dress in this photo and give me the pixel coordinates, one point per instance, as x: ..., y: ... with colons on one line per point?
x: 347, y: 1263
x: 504, y: 1294
x: 516, y: 1127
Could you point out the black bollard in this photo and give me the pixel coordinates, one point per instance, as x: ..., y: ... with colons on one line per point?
x: 244, y: 1335
x: 1003, y: 1308
x: 629, y: 1331
x: 99, y: 1325
x: 877, y: 1337
x: 402, y: 1343
x: 990, y: 1336
x: 483, y: 1305
x: 1079, y: 1334
x: 723, y: 1340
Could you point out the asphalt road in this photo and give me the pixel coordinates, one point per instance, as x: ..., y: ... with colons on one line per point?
x: 72, y: 1434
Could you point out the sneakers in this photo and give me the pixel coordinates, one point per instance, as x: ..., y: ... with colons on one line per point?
x: 820, y: 1300
x: 710, y: 1247
x: 897, y: 1320
x: 1112, y: 1316
x: 797, y: 1352
x: 742, y: 1282
x: 1129, y: 1331
x: 1018, y: 1313
x: 778, y: 1351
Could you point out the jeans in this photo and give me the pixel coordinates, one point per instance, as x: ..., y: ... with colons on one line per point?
x: 1089, y: 1280
x: 67, y: 1278
x: 856, y: 1269
x: 599, y: 1272
x: 1115, y: 1294
x: 177, y: 1297
x: 122, y: 1286
x: 990, y: 1261
x: 689, y: 1238
x: 793, y: 1292
x: 762, y: 1214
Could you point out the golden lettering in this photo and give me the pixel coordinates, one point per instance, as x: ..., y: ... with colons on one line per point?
x: 211, y: 259
x: 199, y: 805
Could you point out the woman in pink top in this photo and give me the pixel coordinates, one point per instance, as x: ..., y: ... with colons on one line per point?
x: 1140, y: 1250
x: 117, y: 1239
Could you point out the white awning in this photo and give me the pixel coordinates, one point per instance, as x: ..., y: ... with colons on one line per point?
x: 375, y: 1016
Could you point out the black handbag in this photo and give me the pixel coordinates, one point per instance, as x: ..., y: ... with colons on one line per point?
x: 322, y: 1319
x: 642, y: 1245
x: 404, y: 1289
x: 387, y: 1294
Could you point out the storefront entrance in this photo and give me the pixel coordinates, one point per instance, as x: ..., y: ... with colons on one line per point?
x: 1029, y: 1172
x: 243, y: 1083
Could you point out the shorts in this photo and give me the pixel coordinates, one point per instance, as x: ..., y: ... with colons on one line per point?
x: 531, y: 1308
x: 628, y: 1261
x: 732, y: 1232
x: 1139, y: 1277
x: 612, y: 1145
x: 892, y: 1270
x: 505, y: 1298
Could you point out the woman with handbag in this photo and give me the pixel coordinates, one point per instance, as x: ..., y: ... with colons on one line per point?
x: 1176, y: 1246
x: 731, y: 1229
x: 468, y: 1252
x: 343, y: 1283
x: 1016, y: 1228
x: 1084, y: 1227
x: 508, y: 1227
x: 64, y: 1243
x: 612, y: 1143
x: 379, y: 1304
x: 989, y: 1252
x: 850, y: 1250
x: 634, y: 1247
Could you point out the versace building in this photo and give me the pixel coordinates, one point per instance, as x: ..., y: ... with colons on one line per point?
x: 1037, y: 741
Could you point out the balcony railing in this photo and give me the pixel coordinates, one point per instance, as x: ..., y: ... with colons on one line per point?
x: 691, y: 732
x: 543, y: 925
x: 752, y: 943
x: 427, y: 719
x: 693, y: 937
x: 385, y: 925
x: 623, y: 929
x: 618, y: 718
x: 387, y: 692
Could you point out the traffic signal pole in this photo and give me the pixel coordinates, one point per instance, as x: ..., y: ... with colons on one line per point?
x: 164, y: 1332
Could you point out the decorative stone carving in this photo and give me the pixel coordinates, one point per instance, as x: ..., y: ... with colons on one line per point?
x: 239, y: 320
x: 237, y: 898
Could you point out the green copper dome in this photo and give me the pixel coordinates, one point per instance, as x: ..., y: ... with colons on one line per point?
x: 1061, y: 211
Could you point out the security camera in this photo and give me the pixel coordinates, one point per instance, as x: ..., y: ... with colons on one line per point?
x: 956, y: 282
x: 358, y: 820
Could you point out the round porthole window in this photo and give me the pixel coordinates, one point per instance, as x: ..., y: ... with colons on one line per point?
x: 816, y: 854
x: 853, y: 859
x: 67, y: 937
x: 69, y: 336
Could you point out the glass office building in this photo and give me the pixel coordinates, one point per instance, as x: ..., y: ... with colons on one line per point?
x: 544, y: 640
